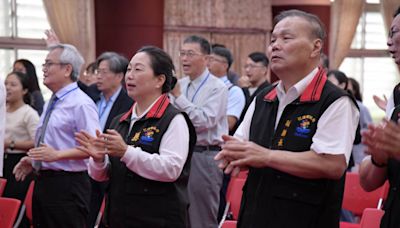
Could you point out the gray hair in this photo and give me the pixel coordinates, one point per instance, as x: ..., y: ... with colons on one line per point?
x: 318, y: 29
x: 116, y: 62
x: 70, y: 55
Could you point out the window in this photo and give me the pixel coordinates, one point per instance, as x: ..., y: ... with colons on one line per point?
x: 368, y: 60
x: 22, y: 26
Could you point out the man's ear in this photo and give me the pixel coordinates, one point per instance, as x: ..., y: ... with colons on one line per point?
x: 317, y: 48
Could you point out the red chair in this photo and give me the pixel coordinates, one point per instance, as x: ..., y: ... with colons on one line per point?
x: 349, y: 225
x: 3, y: 183
x: 229, y: 224
x: 243, y: 174
x: 371, y: 218
x: 355, y: 199
x: 101, y: 213
x: 233, y: 199
x: 8, y: 211
x: 26, y: 208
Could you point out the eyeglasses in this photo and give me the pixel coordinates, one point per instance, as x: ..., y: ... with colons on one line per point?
x: 189, y: 54
x: 212, y: 58
x: 47, y: 65
x: 101, y: 71
x: 251, y: 66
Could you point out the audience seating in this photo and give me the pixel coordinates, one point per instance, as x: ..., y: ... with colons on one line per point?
x: 233, y: 199
x: 3, y: 183
x: 371, y: 218
x: 8, y: 211
x: 229, y: 224
x: 26, y: 208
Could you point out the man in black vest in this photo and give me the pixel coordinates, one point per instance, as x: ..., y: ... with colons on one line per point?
x: 296, y: 137
x: 383, y: 145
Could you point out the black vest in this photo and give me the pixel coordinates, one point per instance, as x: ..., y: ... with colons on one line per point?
x: 391, y: 218
x: 134, y: 201
x: 272, y: 198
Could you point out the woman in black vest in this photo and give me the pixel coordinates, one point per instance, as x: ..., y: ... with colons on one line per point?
x: 146, y: 157
x: 383, y: 144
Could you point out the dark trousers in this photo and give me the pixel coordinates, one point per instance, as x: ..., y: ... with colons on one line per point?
x: 14, y: 189
x: 61, y: 199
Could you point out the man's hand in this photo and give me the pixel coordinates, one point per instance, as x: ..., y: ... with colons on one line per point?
x: 176, y: 92
x: 373, y: 139
x: 380, y: 102
x: 227, y: 160
x: 51, y: 38
x: 23, y: 168
x: 43, y: 153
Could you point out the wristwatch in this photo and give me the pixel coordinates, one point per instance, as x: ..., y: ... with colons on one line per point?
x: 12, y: 145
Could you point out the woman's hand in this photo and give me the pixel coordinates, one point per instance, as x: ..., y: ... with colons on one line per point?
x: 89, y: 145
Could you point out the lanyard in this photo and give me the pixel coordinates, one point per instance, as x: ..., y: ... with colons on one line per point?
x: 198, y: 89
x: 57, y: 99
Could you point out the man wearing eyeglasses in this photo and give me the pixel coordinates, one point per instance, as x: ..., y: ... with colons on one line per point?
x: 204, y: 98
x: 62, y: 187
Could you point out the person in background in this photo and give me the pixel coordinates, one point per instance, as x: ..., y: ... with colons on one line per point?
x: 89, y: 75
x: 290, y: 139
x: 2, y: 122
x: 383, y: 143
x: 146, y: 156
x: 25, y: 66
x: 21, y: 125
x: 62, y: 187
x: 204, y: 98
x: 365, y: 119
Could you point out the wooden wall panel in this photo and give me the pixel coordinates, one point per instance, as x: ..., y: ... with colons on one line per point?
x: 243, y: 26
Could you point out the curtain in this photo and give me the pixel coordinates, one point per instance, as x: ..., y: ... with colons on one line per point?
x: 74, y: 23
x: 388, y: 7
x: 344, y: 19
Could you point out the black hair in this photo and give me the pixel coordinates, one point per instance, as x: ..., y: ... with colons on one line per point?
x: 259, y: 57
x: 204, y: 44
x: 162, y: 64
x: 340, y: 76
x: 33, y: 83
x: 225, y: 53
x: 24, y: 79
x: 91, y: 68
x: 356, y: 89
x: 397, y: 12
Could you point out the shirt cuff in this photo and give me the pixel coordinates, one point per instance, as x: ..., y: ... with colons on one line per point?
x: 98, y: 166
x: 130, y: 154
x: 182, y: 102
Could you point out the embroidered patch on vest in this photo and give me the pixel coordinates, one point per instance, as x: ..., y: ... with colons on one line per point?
x: 147, y: 136
x: 303, y: 129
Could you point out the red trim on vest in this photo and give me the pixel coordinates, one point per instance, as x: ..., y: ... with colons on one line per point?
x: 314, y: 89
x: 159, y: 107
x: 271, y: 95
x: 156, y: 111
x: 126, y: 115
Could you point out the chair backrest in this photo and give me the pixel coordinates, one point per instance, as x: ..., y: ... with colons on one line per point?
x: 229, y: 224
x: 28, y: 201
x: 234, y: 195
x: 371, y: 218
x: 8, y: 211
x: 355, y: 199
x: 3, y: 183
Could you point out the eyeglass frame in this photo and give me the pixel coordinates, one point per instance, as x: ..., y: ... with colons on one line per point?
x: 252, y: 66
x: 189, y: 54
x: 47, y: 65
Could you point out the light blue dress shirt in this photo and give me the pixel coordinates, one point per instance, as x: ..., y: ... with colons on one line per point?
x: 104, y: 107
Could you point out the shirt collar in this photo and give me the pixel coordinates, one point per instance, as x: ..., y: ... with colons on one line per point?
x: 297, y: 88
x: 155, y: 110
x: 196, y: 82
x: 66, y: 89
x: 113, y: 97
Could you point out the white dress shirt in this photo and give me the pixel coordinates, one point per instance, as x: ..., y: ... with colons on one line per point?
x: 205, y: 101
x: 2, y: 122
x: 335, y: 129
